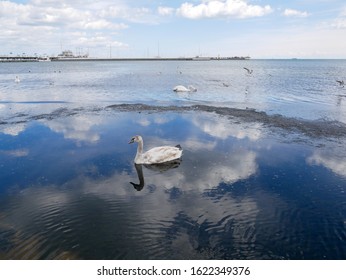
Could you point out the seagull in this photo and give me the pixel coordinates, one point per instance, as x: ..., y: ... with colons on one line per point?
x: 248, y: 70
x: 341, y: 83
x: 17, y: 80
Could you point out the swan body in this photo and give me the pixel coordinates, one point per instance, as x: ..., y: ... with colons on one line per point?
x: 181, y: 88
x: 155, y: 155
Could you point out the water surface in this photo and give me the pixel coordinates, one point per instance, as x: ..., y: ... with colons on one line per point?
x: 260, y: 178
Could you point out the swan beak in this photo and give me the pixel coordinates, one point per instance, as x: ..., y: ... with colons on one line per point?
x: 132, y: 140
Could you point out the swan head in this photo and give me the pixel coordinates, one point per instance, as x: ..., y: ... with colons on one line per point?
x: 136, y: 138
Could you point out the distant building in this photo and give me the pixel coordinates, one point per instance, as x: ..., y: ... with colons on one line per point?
x: 69, y: 54
x: 66, y: 53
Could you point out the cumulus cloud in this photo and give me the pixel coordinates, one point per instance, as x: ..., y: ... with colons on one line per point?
x: 220, y: 128
x: 78, y: 128
x: 294, y: 13
x: 340, y: 21
x: 101, y: 24
x: 130, y: 14
x: 165, y: 11
x: 343, y: 12
x: 13, y: 129
x: 145, y: 121
x: 98, y: 41
x: 330, y: 159
x: 56, y: 16
x: 51, y: 22
x: 225, y: 8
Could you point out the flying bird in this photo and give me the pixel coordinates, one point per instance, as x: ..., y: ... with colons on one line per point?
x: 341, y: 83
x: 249, y: 71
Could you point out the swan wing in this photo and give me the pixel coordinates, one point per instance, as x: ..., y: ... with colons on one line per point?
x: 180, y: 88
x: 161, y: 154
x: 192, y: 88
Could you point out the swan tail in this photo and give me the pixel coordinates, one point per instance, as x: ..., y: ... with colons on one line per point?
x: 179, y: 147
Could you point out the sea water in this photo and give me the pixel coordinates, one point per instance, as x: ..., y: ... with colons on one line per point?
x: 263, y: 172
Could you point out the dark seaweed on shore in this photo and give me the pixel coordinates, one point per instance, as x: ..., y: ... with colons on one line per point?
x: 311, y: 128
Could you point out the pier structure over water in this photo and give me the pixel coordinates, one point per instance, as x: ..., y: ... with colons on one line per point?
x: 79, y: 58
x: 18, y: 58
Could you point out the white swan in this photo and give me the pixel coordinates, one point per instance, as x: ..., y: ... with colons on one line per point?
x: 17, y: 80
x: 155, y: 155
x: 181, y: 88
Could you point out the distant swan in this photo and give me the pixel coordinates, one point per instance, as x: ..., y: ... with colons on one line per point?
x: 17, y: 80
x: 155, y: 155
x: 181, y: 88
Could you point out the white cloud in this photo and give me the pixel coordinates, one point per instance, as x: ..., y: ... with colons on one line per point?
x: 225, y: 8
x: 194, y: 144
x: 294, y: 13
x: 51, y: 22
x: 78, y: 128
x: 99, y: 24
x: 157, y: 120
x: 98, y: 41
x: 64, y: 16
x: 131, y: 14
x: 295, y: 41
x: 343, y: 12
x: 16, y: 153
x: 219, y: 128
x: 14, y: 129
x: 165, y: 11
x: 339, y: 23
x: 330, y: 159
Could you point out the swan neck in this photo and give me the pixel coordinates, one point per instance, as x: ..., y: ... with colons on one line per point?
x: 139, y: 150
x: 140, y: 147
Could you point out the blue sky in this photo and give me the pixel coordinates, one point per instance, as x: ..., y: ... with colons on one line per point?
x: 147, y: 28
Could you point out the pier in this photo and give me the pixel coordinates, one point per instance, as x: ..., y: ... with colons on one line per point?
x: 59, y: 58
x: 19, y: 58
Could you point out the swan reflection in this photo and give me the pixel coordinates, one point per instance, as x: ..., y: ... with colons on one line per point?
x: 161, y: 167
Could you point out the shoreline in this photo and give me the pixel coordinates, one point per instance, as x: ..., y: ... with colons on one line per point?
x: 312, y: 128
x: 39, y: 59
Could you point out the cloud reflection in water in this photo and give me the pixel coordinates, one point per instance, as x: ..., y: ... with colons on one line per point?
x: 216, y: 203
